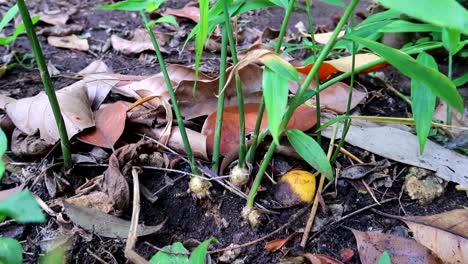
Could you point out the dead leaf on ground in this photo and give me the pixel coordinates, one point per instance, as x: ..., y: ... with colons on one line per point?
x: 97, y: 66
x: 28, y: 145
x: 277, y: 244
x: 446, y: 234
x: 343, y: 64
x: 304, y: 118
x: 69, y: 42
x: 95, y: 200
x: 321, y: 259
x: 103, y: 224
x: 188, y: 11
x: 346, y: 254
x: 58, y: 18
x: 458, y: 119
x: 380, y: 140
x: 139, y: 42
x: 110, y: 124
x: 401, y: 250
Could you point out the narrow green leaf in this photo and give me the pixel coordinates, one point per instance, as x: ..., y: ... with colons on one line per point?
x: 446, y: 13
x: 310, y: 151
x: 199, y: 254
x: 201, y: 36
x: 56, y: 255
x: 3, y: 148
x: 133, y: 5
x: 405, y: 26
x: 440, y: 85
x: 384, y: 258
x: 423, y: 102
x: 451, y: 40
x: 9, y: 15
x: 165, y: 19
x: 18, y: 30
x: 381, y: 16
x: 164, y: 258
x: 461, y: 80
x: 280, y: 3
x: 335, y: 3
x: 332, y: 121
x: 282, y: 68
x: 11, y: 251
x: 275, y: 94
x: 22, y: 207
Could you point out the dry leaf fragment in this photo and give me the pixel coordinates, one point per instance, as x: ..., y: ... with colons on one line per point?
x: 402, y: 250
x: 69, y: 42
x: 188, y: 11
x: 335, y: 97
x: 277, y: 244
x: 140, y: 41
x: 95, y: 200
x: 446, y: 234
x: 58, y: 18
x: 320, y: 259
x: 97, y: 66
x: 110, y: 124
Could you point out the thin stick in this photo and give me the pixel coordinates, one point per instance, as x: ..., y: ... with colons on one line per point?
x: 96, y: 256
x: 313, y: 212
x: 130, y: 254
x: 48, y: 85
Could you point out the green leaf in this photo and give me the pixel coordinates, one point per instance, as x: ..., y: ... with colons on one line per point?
x: 18, y: 30
x: 199, y: 254
x: 3, y: 148
x: 282, y: 68
x: 446, y: 13
x: 310, y: 151
x: 384, y: 258
x: 11, y: 251
x: 133, y: 5
x: 405, y: 26
x: 201, y: 36
x: 451, y: 40
x: 331, y: 122
x: 22, y: 207
x: 9, y: 15
x: 381, y: 16
x: 275, y: 94
x: 423, y: 102
x: 56, y: 255
x: 461, y: 80
x: 440, y: 85
x: 335, y: 3
x: 164, y: 258
x: 165, y: 19
x: 280, y: 3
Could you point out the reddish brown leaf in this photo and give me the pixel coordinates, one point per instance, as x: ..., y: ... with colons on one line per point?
x: 190, y: 12
x: 303, y: 118
x: 110, y: 124
x: 402, y: 251
x: 277, y: 244
x: 321, y: 259
x: 446, y: 234
x: 346, y: 254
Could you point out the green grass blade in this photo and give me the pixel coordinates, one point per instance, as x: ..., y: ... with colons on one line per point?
x: 199, y: 254
x: 275, y: 94
x: 11, y: 251
x: 461, y: 80
x: 165, y: 19
x: 451, y: 40
x: 282, y: 68
x: 201, y: 36
x: 335, y: 3
x: 310, y: 151
x: 133, y: 5
x: 423, y: 102
x: 405, y: 26
x: 440, y: 85
x: 22, y: 207
x: 3, y: 148
x: 446, y: 13
x: 384, y: 258
x: 9, y: 15
x: 381, y: 16
x: 164, y: 258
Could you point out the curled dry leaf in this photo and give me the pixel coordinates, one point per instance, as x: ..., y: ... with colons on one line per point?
x: 115, y: 183
x: 110, y: 124
x: 277, y: 244
x: 188, y: 11
x: 321, y: 259
x: 140, y: 42
x: 69, y: 42
x: 58, y: 18
x: 446, y: 234
x: 103, y: 224
x: 343, y: 64
x: 304, y: 118
x: 402, y: 250
x: 97, y: 66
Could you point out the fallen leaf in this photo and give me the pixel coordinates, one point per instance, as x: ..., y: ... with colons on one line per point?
x: 34, y: 114
x: 96, y: 200
x: 401, y: 250
x: 140, y: 42
x: 458, y: 119
x: 110, y: 124
x: 57, y: 19
x: 97, y: 66
x: 343, y: 64
x: 323, y: 38
x: 446, y: 234
x: 380, y: 140
x: 188, y: 11
x: 103, y: 224
x: 346, y: 254
x: 28, y: 145
x: 69, y: 42
x: 321, y: 259
x: 304, y: 118
x: 277, y: 244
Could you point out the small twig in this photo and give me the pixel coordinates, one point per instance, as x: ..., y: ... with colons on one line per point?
x: 130, y: 254
x: 96, y: 256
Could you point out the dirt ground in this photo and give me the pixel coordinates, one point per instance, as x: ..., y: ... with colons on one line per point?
x: 186, y: 219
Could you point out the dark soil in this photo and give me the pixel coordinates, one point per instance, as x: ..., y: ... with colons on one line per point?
x: 188, y: 219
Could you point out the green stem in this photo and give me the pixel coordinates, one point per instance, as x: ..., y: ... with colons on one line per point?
x: 170, y: 89
x: 220, y: 110
x: 348, y: 105
x: 240, y: 96
x: 261, y: 109
x: 317, y: 81
x: 449, y: 109
x: 297, y: 99
x: 48, y: 86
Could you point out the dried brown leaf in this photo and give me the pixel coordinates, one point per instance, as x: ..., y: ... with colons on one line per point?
x: 188, y: 11
x: 69, y: 42
x: 97, y: 66
x: 277, y: 244
x: 140, y: 41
